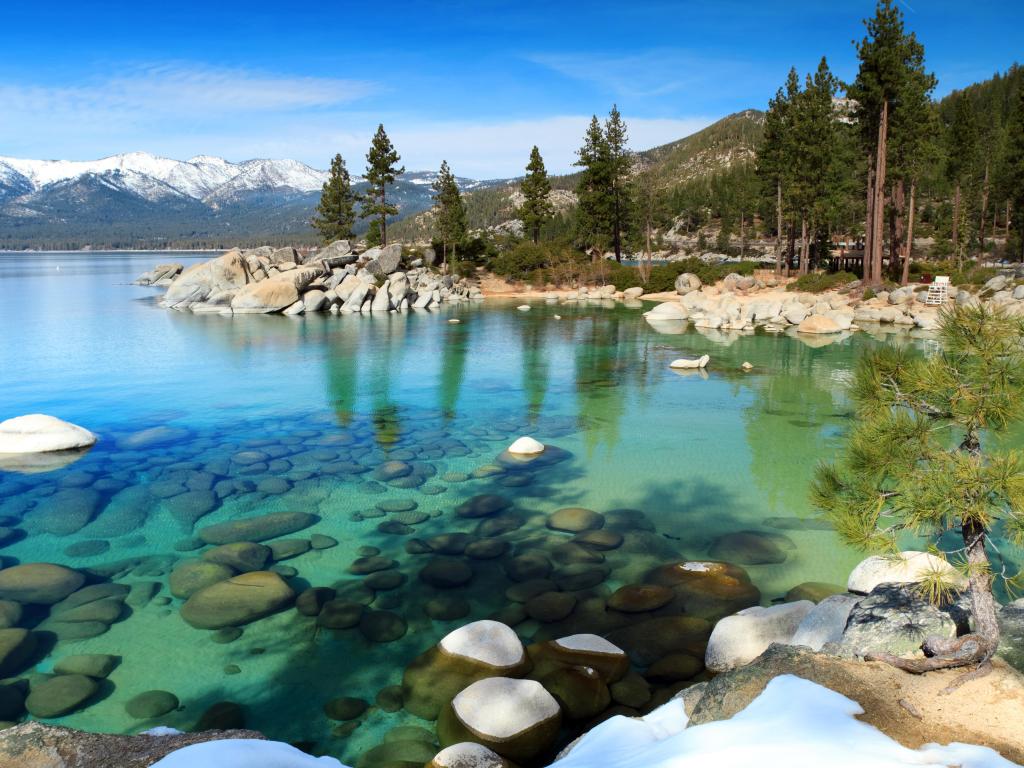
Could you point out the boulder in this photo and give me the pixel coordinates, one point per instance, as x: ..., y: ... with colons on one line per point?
x: 669, y: 310
x: 151, y: 704
x: 526, y: 446
x: 242, y: 555
x: 237, y: 601
x: 190, y: 576
x: 894, y: 619
x: 690, y: 362
x: 742, y: 637
x: 39, y: 433
x: 640, y: 598
x: 16, y: 649
x: 60, y: 695
x: 259, y: 528
x: 95, y: 665
x: 384, y: 261
x: 575, y: 520
x: 1011, y: 636
x: 583, y: 650
x: 907, y: 567
x: 751, y: 547
x: 707, y: 589
x: 516, y: 718
x: 468, y: 754
x: 579, y: 691
x: 43, y: 583
x: 486, y: 642
x: 818, y: 324
x: 196, y: 283
x: 686, y: 283
x: 272, y: 295
x: 314, y: 300
x: 825, y: 622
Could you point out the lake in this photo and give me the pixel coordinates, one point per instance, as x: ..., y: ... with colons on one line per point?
x: 382, y: 426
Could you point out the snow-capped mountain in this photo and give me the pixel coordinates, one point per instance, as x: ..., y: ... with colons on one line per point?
x: 199, y: 177
x: 138, y: 199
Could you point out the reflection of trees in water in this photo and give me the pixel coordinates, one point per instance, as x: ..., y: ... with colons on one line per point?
x: 608, y: 353
x: 454, y: 350
x: 342, y: 359
x: 535, y: 370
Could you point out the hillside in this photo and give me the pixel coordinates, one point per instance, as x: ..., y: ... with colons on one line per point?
x: 726, y: 144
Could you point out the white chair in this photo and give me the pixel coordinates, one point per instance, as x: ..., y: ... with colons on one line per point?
x: 938, y: 292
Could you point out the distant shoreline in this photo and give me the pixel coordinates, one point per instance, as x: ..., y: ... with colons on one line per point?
x: 125, y: 250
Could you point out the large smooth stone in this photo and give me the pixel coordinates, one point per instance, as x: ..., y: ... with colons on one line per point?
x: 739, y: 639
x: 647, y: 641
x: 818, y: 324
x: 908, y: 567
x: 239, y: 600
x: 65, y: 512
x: 43, y: 583
x: 39, y: 433
x: 260, y: 528
x: 271, y: 295
x: 825, y: 622
x: 582, y: 650
x: 446, y: 573
x: 485, y: 642
x: 483, y: 505
x: 638, y: 598
x: 894, y: 619
x: 60, y: 695
x: 382, y: 626
x: 468, y: 754
x: 151, y: 704
x: 550, y: 606
x: 526, y: 446
x: 243, y: 556
x: 706, y: 588
x: 16, y: 648
x: 580, y: 691
x: 190, y: 576
x: 95, y: 665
x: 750, y: 548
x: 518, y: 719
x: 575, y: 520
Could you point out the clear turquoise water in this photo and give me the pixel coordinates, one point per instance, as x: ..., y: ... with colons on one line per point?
x: 700, y: 456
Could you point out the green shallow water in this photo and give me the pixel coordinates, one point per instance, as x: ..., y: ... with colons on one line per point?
x: 700, y: 456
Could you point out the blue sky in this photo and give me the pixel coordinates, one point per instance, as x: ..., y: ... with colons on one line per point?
x: 476, y: 83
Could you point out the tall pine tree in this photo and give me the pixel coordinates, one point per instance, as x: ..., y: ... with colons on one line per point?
x: 960, y: 168
x: 889, y: 57
x: 335, y: 213
x: 593, y: 213
x: 381, y: 169
x: 773, y: 166
x: 536, y: 209
x: 1012, y: 179
x: 449, y: 212
x: 619, y: 165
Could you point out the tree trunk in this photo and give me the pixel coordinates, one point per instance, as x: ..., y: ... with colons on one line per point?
x: 778, y: 232
x: 869, y: 224
x: 617, y: 230
x: 956, y: 226
x: 383, y: 217
x: 804, y: 250
x: 897, y: 225
x: 879, y: 202
x: 984, y: 206
x: 791, y: 247
x: 908, y: 248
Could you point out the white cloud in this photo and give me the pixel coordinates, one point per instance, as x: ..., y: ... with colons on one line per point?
x: 179, y: 111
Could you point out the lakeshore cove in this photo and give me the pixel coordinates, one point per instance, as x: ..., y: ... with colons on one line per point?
x: 283, y: 514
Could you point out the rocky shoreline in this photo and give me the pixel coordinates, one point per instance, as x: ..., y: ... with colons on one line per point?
x: 334, y: 279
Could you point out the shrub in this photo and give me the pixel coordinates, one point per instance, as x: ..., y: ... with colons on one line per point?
x: 973, y: 276
x: 869, y: 294
x: 817, y: 282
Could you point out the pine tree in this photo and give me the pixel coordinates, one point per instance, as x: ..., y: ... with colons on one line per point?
x: 619, y: 165
x: 335, y: 213
x: 916, y: 462
x: 593, y: 213
x: 960, y: 167
x: 888, y: 59
x: 773, y: 160
x: 536, y: 209
x: 450, y: 212
x: 381, y: 170
x: 1012, y: 176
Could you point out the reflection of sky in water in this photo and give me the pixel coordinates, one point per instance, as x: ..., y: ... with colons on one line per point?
x: 700, y: 456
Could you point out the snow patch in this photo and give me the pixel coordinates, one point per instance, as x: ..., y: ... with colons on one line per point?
x: 243, y: 753
x: 794, y: 722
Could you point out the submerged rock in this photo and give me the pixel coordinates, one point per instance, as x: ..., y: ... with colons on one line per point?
x: 151, y: 704
x: 239, y: 600
x: 260, y: 528
x: 39, y: 433
x: 43, y: 583
x: 60, y: 695
x: 518, y: 719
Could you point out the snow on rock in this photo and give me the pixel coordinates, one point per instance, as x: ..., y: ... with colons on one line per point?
x: 794, y: 722
x: 243, y: 753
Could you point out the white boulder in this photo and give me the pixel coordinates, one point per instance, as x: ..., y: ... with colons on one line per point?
x: 485, y: 642
x: 526, y: 446
x: 739, y: 639
x: 908, y: 567
x: 523, y: 307
x: 691, y: 362
x: 39, y: 433
x: 669, y: 310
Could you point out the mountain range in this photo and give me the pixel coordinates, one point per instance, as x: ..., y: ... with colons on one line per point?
x: 139, y: 200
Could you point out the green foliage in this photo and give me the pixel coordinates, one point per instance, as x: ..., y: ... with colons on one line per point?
x: 818, y: 282
x: 335, y: 213
x: 381, y: 169
x: 663, y: 276
x: 603, y: 210
x: 915, y: 461
x: 373, y: 237
x: 536, y: 209
x: 868, y: 294
x: 450, y: 212
x: 522, y: 261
